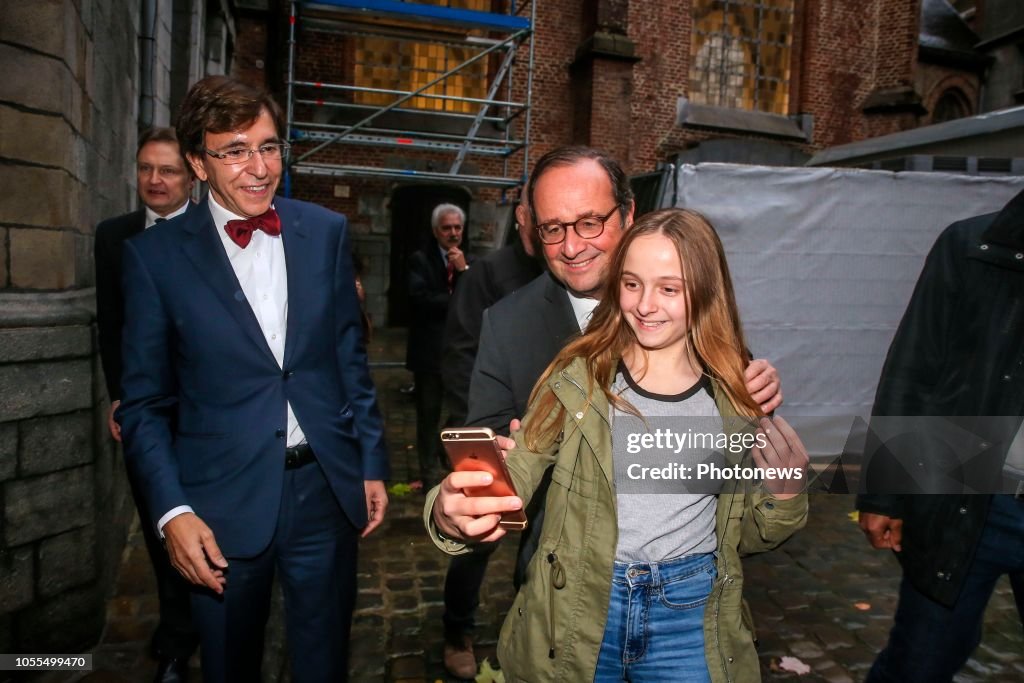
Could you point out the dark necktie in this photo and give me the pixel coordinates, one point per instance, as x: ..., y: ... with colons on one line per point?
x: 451, y: 276
x: 159, y: 220
x: 240, y: 231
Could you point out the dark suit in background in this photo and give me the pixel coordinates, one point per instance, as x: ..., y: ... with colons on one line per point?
x: 175, y: 637
x: 429, y: 297
x: 491, y: 280
x: 110, y: 236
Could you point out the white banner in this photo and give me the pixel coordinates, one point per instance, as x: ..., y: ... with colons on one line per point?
x: 824, y: 262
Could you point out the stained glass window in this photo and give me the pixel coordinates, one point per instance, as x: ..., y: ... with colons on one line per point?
x: 741, y: 54
x: 405, y: 64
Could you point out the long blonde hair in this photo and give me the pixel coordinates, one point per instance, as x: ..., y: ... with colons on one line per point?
x: 715, y: 335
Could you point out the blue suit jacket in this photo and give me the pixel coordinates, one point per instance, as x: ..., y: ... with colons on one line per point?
x: 203, y: 400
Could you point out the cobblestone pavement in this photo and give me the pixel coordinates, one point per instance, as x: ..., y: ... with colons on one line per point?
x: 824, y: 598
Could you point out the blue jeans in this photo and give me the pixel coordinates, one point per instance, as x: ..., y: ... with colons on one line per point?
x: 929, y: 642
x: 655, y: 628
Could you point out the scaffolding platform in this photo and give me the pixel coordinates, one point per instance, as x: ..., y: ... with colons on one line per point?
x: 433, y: 113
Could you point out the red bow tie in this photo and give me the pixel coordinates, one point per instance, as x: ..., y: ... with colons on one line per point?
x: 240, y: 231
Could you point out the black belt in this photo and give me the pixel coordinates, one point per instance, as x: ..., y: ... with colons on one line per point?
x: 298, y: 456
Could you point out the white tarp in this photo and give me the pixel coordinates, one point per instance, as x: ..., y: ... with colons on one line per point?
x: 824, y: 262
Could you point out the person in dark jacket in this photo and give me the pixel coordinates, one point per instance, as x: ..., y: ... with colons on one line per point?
x: 164, y: 184
x: 958, y: 352
x: 433, y: 272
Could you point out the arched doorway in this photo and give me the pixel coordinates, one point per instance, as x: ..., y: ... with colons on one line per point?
x: 410, y: 230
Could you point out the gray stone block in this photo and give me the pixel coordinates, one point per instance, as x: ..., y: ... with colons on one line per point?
x: 8, y: 450
x: 65, y: 199
x: 47, y: 505
x: 66, y: 561
x: 44, y: 343
x: 42, y: 259
x: 36, y: 138
x: 47, y: 309
x: 38, y: 25
x: 24, y: 71
x: 32, y: 389
x: 49, y: 444
x: 71, y: 622
x: 15, y: 579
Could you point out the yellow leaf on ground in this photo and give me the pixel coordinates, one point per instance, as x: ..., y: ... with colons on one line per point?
x: 399, y: 490
x: 854, y: 516
x: 489, y: 675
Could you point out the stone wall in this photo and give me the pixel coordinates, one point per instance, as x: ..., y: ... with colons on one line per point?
x: 68, y: 109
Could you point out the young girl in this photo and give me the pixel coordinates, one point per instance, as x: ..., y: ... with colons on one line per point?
x: 640, y: 581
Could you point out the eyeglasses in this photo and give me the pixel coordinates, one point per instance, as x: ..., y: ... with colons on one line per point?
x: 587, y: 228
x: 270, y: 151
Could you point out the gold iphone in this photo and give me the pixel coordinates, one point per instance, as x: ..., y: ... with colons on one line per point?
x: 473, y: 449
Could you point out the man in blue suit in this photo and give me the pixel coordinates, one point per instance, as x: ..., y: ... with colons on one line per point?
x: 248, y: 413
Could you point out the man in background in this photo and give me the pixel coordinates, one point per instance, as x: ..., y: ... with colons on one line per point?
x: 433, y: 273
x: 164, y: 183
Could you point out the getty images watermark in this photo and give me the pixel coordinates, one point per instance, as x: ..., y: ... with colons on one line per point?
x: 887, y: 455
x: 690, y: 455
x: 704, y: 463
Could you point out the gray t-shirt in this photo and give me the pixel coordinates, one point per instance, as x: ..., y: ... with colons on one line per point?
x: 656, y: 524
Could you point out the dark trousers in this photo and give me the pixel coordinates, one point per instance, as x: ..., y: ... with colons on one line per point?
x: 314, y: 553
x: 175, y: 636
x: 429, y: 398
x: 462, y: 591
x: 929, y: 643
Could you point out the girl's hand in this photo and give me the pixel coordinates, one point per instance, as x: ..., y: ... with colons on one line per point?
x: 466, y: 518
x: 784, y: 452
x: 763, y: 384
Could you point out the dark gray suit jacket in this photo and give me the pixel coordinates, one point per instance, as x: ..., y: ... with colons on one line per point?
x: 490, y: 280
x: 520, y: 336
x: 110, y: 235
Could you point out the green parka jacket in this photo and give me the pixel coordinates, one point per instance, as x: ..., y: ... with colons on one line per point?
x: 554, y: 629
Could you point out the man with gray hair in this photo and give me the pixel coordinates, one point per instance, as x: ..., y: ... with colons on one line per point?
x: 433, y: 273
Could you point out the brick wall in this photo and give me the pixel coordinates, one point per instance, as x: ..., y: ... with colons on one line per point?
x: 852, y: 49
x: 932, y: 80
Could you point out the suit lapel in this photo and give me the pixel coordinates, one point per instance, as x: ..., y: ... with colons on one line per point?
x: 203, y: 248
x: 298, y: 258
x: 559, y: 318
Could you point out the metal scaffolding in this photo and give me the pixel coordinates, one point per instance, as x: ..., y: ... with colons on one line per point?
x: 322, y: 114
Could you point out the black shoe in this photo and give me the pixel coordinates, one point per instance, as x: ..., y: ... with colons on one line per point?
x: 171, y: 670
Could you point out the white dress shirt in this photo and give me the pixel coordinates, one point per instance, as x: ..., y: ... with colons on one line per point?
x: 152, y: 216
x: 583, y: 308
x: 263, y: 275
